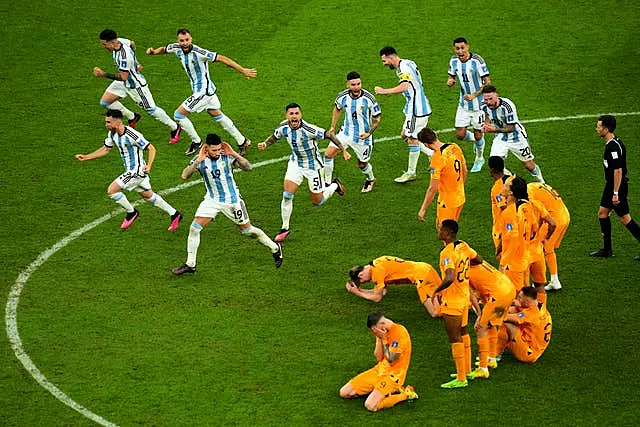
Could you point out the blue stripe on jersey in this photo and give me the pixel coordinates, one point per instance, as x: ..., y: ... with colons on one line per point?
x: 198, y: 71
x: 467, y: 87
x: 421, y: 106
x: 477, y: 83
x: 229, y: 179
x: 202, y: 168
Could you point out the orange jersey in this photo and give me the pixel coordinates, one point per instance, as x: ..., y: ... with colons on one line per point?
x: 549, y: 198
x: 490, y: 282
x: 498, y: 202
x: 535, y: 325
x: 457, y: 256
x: 387, y: 269
x: 399, y: 342
x: 448, y: 166
x: 514, y: 246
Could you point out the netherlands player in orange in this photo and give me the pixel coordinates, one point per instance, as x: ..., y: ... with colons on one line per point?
x: 514, y: 260
x: 497, y: 293
x: 455, y: 259
x: 560, y: 214
x: 384, y: 382
x: 448, y: 170
x: 538, y: 226
x: 498, y: 202
x: 386, y: 270
x: 528, y: 326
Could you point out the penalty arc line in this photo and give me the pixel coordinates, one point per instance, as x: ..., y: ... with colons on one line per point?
x: 11, y: 312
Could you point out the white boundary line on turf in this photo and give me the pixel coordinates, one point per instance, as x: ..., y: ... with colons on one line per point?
x: 11, y: 313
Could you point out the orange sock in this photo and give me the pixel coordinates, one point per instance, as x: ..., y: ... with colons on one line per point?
x: 483, y: 349
x: 466, y: 340
x: 493, y: 342
x: 457, y: 350
x: 392, y: 399
x: 551, y: 262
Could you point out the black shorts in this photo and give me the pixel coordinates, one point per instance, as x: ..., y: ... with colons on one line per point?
x: 622, y: 208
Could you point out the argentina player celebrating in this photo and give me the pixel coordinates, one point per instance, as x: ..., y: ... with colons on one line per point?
x: 214, y: 163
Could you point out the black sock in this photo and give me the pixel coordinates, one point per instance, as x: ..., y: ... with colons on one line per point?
x: 634, y: 228
x: 605, y: 226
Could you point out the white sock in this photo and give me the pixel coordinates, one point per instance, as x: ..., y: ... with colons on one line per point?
x: 122, y: 200
x: 328, y: 192
x: 256, y: 233
x: 537, y: 173
x: 554, y: 278
x: 328, y: 169
x: 368, y: 171
x: 414, y: 155
x: 227, y: 124
x: 125, y: 111
x: 468, y: 136
x: 479, y: 148
x: 286, y: 208
x: 157, y: 201
x: 160, y: 115
x: 187, y: 126
x: 193, y: 241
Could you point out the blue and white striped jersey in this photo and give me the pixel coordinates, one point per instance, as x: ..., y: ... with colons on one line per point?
x: 131, y: 145
x: 416, y: 102
x: 470, y: 74
x: 125, y: 60
x: 196, y: 65
x: 304, y: 148
x: 358, y: 113
x: 505, y: 114
x: 218, y: 178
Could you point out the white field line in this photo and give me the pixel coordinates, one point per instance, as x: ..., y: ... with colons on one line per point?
x: 11, y: 313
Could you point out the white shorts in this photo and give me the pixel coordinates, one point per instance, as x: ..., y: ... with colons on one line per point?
x: 296, y: 174
x: 236, y: 212
x: 132, y: 181
x: 198, y: 103
x: 413, y: 125
x: 519, y: 149
x: 363, y: 151
x: 140, y: 95
x: 466, y: 118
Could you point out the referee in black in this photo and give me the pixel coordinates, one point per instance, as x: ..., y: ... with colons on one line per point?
x: 616, y: 189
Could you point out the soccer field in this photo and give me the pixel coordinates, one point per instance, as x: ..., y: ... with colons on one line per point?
x: 113, y: 337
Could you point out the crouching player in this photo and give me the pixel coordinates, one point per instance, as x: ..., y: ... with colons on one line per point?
x: 528, y: 327
x: 384, y: 382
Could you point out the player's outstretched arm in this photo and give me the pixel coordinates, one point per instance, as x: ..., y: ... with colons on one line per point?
x: 247, y: 72
x: 267, y: 142
x: 102, y: 151
x: 122, y: 76
x: 402, y: 87
x: 159, y: 51
x: 337, y: 142
x: 374, y: 295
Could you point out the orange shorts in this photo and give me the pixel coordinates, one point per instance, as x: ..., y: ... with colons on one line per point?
x: 538, y: 270
x: 496, y: 310
x: 365, y: 382
x: 517, y: 278
x: 454, y: 305
x: 562, y: 224
x: 443, y: 213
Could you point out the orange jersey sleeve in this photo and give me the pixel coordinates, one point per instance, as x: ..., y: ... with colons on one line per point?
x: 451, y: 176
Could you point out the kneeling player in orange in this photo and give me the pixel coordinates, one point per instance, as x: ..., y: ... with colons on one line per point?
x: 497, y: 293
x: 528, y: 327
x: 387, y: 270
x: 384, y: 382
x: 455, y: 259
x: 559, y: 212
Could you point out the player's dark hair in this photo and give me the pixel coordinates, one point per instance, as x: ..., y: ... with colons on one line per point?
x: 388, y: 50
x: 530, y: 291
x: 519, y: 188
x: 496, y: 163
x: 451, y: 226
x: 608, y: 121
x: 353, y: 75
x: 183, y: 31
x: 292, y: 105
x: 213, y: 139
x: 427, y: 135
x: 489, y: 89
x: 116, y: 114
x: 354, y: 272
x: 108, y: 35
x: 460, y: 40
x: 373, y: 319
